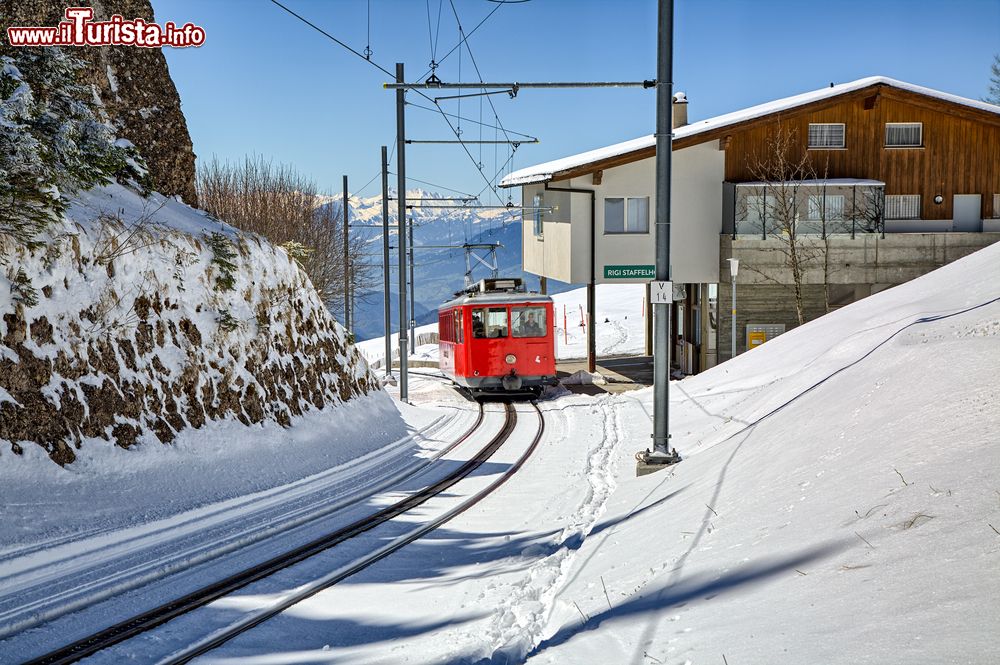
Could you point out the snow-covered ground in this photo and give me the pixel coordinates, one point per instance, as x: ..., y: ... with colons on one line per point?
x: 838, y: 502
x: 620, y: 326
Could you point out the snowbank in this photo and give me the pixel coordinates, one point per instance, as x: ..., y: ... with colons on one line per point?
x: 837, y: 503
x: 139, y: 318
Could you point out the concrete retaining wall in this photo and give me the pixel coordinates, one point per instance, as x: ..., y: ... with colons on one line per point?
x: 858, y: 267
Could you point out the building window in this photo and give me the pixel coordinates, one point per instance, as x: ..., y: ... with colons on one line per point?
x: 758, y: 209
x: 833, y: 210
x: 537, y: 214
x: 996, y: 206
x: 904, y: 134
x: 902, y: 206
x: 826, y: 135
x: 626, y: 215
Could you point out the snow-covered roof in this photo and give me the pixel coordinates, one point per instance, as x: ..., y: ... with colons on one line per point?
x: 544, y: 172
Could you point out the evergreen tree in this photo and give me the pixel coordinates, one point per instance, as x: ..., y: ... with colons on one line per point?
x: 993, y: 97
x: 53, y: 141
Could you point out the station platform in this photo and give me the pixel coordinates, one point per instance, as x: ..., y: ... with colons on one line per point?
x: 620, y: 373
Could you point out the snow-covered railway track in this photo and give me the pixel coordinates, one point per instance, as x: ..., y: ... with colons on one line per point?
x: 71, y: 576
x: 130, y: 629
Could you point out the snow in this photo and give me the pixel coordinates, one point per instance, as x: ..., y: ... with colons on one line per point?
x: 838, y: 501
x: 544, y: 172
x: 834, y: 504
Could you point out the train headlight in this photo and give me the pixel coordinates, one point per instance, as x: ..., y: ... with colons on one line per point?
x: 511, y: 358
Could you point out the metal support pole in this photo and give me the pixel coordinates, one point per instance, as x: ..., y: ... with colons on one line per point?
x: 513, y: 85
x: 591, y: 325
x: 347, y: 264
x: 881, y: 212
x: 353, y: 292
x: 413, y: 290
x: 854, y: 208
x: 661, y: 351
x: 733, y: 353
x: 763, y: 216
x: 401, y: 195
x: 385, y: 262
x: 648, y: 323
x: 455, y: 141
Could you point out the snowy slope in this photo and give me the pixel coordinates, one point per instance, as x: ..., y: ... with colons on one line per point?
x: 837, y: 503
x: 149, y: 317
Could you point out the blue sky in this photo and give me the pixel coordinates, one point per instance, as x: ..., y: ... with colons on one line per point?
x: 266, y: 83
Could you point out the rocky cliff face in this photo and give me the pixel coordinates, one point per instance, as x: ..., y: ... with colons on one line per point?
x: 134, y: 85
x: 141, y: 317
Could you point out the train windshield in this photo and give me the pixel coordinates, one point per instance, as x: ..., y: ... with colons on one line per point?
x: 489, y: 322
x: 528, y: 321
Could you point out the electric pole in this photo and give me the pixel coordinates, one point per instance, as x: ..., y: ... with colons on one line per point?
x: 401, y: 221
x: 661, y: 453
x: 385, y: 262
x: 347, y: 265
x: 413, y: 291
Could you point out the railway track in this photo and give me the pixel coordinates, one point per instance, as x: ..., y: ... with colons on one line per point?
x: 130, y: 628
x: 95, y: 569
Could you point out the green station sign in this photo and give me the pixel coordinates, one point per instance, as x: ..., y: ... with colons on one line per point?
x: 629, y: 272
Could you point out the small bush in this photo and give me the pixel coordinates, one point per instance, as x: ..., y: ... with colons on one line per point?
x: 53, y: 142
x: 227, y: 322
x: 223, y: 254
x: 23, y: 290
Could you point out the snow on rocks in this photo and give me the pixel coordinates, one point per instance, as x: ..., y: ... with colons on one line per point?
x: 140, y: 317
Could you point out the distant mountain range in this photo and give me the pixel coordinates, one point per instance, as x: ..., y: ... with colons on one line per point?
x: 439, y: 271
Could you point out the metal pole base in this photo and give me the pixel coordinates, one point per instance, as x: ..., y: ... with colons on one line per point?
x: 648, y: 461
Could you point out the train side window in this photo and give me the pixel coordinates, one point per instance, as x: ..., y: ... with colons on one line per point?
x: 457, y: 337
x: 496, y: 322
x: 479, y: 323
x: 528, y: 321
x: 444, y: 326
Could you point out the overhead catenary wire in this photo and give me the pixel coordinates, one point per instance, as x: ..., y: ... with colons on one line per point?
x: 431, y: 184
x: 475, y: 65
x: 490, y: 183
x: 393, y: 76
x: 436, y: 34
x: 368, y: 45
x: 485, y: 125
x: 470, y: 33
